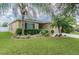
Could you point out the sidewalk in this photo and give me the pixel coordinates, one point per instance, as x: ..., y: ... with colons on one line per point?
x: 71, y: 35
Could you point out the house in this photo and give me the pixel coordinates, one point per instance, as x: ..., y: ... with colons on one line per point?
x: 29, y: 24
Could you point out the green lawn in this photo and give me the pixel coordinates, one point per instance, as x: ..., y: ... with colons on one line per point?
x: 75, y: 33
x: 46, y: 45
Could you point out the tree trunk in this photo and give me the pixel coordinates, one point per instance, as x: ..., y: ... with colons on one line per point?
x: 62, y: 30
x: 49, y: 29
x: 23, y: 11
x: 59, y: 30
x: 23, y: 26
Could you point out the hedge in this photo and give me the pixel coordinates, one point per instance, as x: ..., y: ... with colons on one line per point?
x: 28, y: 31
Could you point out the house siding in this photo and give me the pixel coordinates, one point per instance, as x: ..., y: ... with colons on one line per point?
x: 36, y: 26
x: 43, y: 25
x: 14, y: 26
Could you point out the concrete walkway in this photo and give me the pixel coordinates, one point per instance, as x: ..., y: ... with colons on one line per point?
x: 71, y: 35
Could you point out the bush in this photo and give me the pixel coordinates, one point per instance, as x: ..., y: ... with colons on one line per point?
x: 69, y: 29
x: 19, y: 31
x: 44, y: 32
x: 28, y: 31
x: 32, y: 31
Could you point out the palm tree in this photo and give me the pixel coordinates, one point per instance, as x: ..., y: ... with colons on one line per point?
x: 66, y: 11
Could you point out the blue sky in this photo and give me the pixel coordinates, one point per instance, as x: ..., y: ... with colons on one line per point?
x: 77, y: 18
x: 8, y: 17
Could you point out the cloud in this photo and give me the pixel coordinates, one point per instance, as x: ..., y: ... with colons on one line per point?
x: 9, y: 16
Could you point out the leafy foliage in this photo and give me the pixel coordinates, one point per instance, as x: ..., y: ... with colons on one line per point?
x: 5, y: 24
x: 32, y: 31
x: 62, y: 14
x: 19, y: 31
x: 68, y: 29
x: 28, y: 31
x: 44, y: 32
x: 65, y: 23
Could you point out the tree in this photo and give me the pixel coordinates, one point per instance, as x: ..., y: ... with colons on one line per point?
x: 4, y: 7
x: 60, y: 13
x: 5, y: 24
x: 65, y: 17
x: 44, y: 8
x: 23, y: 11
x: 63, y: 24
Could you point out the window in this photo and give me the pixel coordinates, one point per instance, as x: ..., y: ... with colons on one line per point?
x: 28, y: 25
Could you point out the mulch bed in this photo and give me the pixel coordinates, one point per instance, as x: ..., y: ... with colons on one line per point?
x: 26, y: 37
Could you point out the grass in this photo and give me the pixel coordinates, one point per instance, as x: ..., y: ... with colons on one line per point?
x: 75, y: 33
x: 37, y: 46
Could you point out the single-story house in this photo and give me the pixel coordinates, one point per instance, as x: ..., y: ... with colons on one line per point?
x: 29, y: 24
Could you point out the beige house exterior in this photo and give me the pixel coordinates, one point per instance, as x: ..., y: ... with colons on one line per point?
x: 29, y: 24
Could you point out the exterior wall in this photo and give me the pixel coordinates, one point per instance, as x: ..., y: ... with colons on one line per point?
x: 14, y: 26
x: 18, y: 24
x: 36, y: 26
x: 43, y: 25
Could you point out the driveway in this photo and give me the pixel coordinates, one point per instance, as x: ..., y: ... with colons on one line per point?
x: 71, y: 35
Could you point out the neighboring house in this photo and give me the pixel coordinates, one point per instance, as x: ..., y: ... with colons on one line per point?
x: 29, y: 24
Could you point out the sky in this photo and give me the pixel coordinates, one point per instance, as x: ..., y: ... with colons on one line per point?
x: 8, y: 17
x: 77, y: 19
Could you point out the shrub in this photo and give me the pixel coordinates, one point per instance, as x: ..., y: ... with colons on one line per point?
x: 28, y: 31
x: 68, y: 29
x: 44, y: 32
x: 19, y: 31
x: 32, y: 31
x: 25, y: 32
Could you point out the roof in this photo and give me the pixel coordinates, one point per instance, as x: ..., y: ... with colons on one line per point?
x: 30, y: 20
